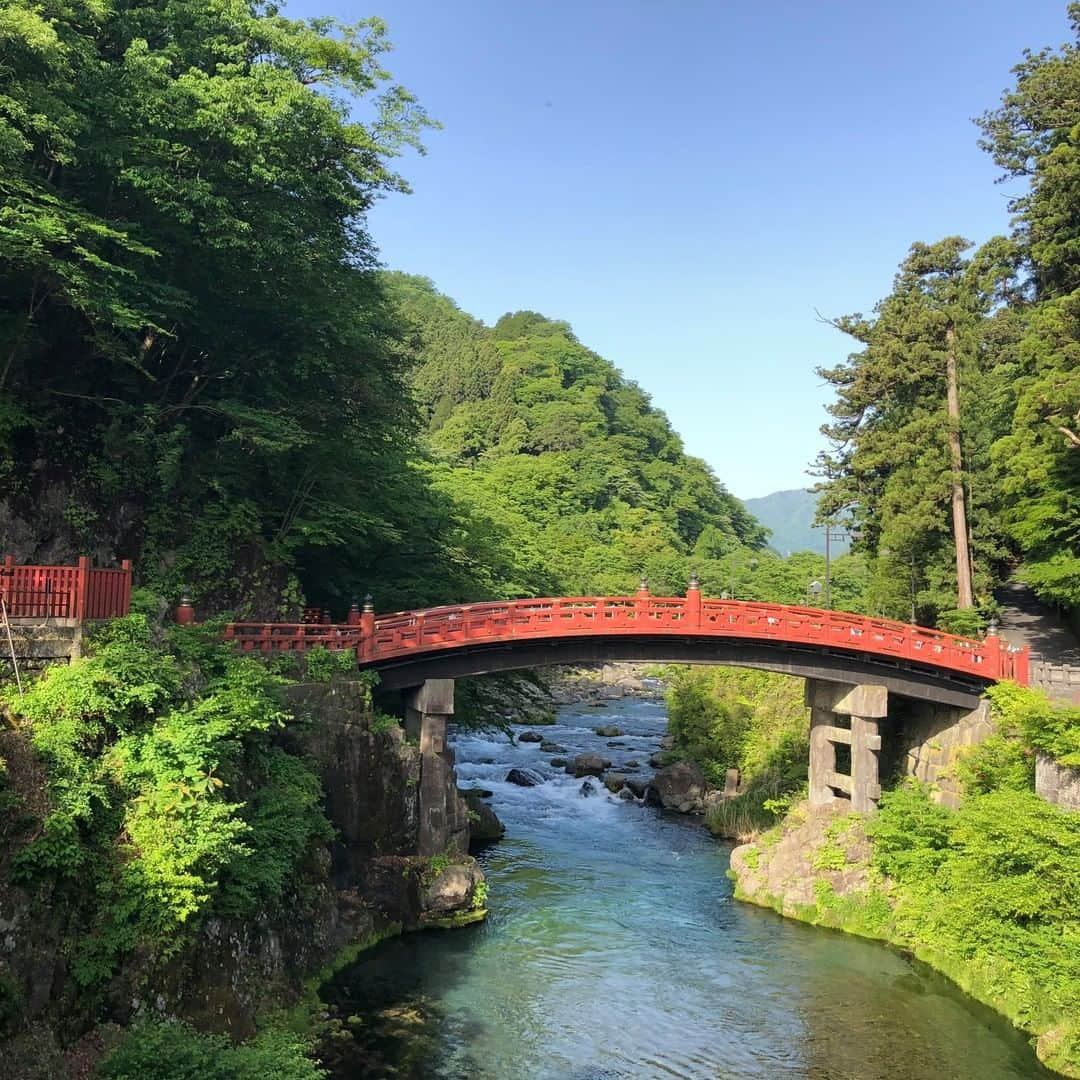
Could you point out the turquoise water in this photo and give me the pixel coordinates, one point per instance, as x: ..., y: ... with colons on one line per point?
x: 614, y: 949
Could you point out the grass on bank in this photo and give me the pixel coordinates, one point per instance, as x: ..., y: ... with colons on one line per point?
x: 989, y: 893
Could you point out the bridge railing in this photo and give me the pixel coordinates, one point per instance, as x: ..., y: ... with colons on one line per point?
x: 386, y: 637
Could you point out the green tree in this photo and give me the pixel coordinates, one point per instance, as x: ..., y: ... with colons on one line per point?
x: 1033, y: 136
x: 913, y: 419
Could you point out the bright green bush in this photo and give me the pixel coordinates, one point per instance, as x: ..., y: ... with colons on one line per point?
x: 737, y: 718
x: 990, y: 893
x: 1046, y: 725
x: 174, y: 1051
x: 167, y: 796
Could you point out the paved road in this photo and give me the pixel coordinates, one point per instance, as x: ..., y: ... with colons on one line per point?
x: 1025, y: 620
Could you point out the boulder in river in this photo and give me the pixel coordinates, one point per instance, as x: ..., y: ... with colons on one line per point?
x: 524, y: 777
x: 614, y: 781
x: 608, y: 731
x: 625, y: 794
x: 657, y: 760
x: 558, y: 762
x: 634, y: 764
x: 530, y: 736
x: 588, y: 765
x: 552, y: 748
x: 589, y: 788
x: 637, y: 786
x: 484, y: 825
x: 667, y: 742
x: 678, y: 787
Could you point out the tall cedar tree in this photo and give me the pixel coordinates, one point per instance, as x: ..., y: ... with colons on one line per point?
x: 1035, y: 136
x: 910, y: 430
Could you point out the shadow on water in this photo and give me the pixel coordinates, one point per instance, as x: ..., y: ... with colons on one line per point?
x: 614, y: 949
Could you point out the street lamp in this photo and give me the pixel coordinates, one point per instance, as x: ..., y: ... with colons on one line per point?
x: 814, y: 589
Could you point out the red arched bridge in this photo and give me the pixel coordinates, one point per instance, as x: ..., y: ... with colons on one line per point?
x: 409, y: 647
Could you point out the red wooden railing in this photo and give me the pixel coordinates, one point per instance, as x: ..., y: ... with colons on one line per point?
x: 414, y: 633
x: 65, y: 592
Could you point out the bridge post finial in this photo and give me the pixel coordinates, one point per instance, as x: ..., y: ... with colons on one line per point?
x: 692, y: 607
x: 354, y: 613
x: 185, y: 612
x: 365, y: 648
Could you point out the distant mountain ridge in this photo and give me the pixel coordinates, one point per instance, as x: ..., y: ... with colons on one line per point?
x: 789, y: 514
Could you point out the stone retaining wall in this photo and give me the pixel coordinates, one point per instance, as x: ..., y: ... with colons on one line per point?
x: 1058, y: 784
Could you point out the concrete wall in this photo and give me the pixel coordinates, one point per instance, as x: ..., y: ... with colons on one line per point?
x: 1058, y: 784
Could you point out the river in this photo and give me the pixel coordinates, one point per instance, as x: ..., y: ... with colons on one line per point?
x: 614, y: 949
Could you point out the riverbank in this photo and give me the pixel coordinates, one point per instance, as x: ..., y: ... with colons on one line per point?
x: 614, y: 948
x: 985, y: 895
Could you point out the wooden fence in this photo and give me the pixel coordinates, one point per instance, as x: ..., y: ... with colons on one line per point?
x: 77, y: 592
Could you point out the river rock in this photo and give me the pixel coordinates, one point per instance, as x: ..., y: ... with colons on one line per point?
x: 588, y: 765
x: 589, y: 788
x: 614, y: 781
x: 657, y: 759
x: 608, y: 731
x: 625, y: 794
x: 530, y: 736
x: 633, y: 764
x: 678, y: 787
x: 558, y: 762
x: 524, y: 777
x: 667, y: 742
x: 637, y: 786
x: 484, y: 825
x: 552, y: 748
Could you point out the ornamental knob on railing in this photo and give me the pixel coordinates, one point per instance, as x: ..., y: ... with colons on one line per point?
x: 692, y: 608
x: 185, y: 612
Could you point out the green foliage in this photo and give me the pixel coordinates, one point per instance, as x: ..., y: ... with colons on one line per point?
x: 167, y: 797
x: 381, y: 722
x: 754, y: 721
x: 322, y: 664
x: 571, y: 481
x: 174, y: 1051
x: 890, y: 467
x: 1047, y: 725
x: 994, y: 885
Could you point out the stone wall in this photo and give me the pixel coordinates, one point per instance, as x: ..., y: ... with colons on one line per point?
x: 925, y: 740
x: 1058, y: 784
x: 38, y: 643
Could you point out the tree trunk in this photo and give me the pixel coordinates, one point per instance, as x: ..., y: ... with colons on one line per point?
x: 964, y: 598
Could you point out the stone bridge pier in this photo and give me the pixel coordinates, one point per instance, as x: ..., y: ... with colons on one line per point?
x: 860, y: 736
x: 443, y: 814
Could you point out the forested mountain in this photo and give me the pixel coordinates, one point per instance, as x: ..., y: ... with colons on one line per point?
x: 585, y: 481
x: 789, y: 517
x: 954, y: 431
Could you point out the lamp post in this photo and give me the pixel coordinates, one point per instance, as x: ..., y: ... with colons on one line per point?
x: 814, y: 590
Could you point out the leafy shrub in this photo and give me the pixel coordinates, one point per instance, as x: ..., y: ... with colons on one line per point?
x: 754, y: 721
x: 1044, y: 724
x: 167, y: 798
x: 322, y: 664
x: 175, y: 1051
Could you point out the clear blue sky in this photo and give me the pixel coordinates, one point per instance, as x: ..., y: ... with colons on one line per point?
x: 686, y: 183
